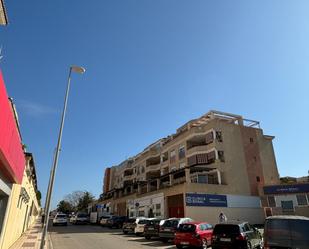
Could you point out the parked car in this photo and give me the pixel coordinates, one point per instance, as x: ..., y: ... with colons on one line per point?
x: 236, y: 235
x: 72, y: 218
x: 286, y: 231
x: 130, y: 225
x: 197, y: 234
x: 60, y: 219
x: 140, y: 226
x: 169, y: 227
x: 116, y: 221
x: 151, y: 229
x: 104, y: 219
x: 81, y: 218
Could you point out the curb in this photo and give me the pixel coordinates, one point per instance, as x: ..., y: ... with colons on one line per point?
x: 49, y: 244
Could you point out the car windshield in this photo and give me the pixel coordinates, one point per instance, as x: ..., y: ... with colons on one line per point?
x: 82, y: 215
x: 187, y: 228
x: 171, y: 223
x: 226, y: 229
x: 61, y: 216
x: 142, y: 222
x: 153, y: 222
x: 285, y: 231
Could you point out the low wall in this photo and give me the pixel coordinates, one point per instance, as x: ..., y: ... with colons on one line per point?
x: 211, y: 214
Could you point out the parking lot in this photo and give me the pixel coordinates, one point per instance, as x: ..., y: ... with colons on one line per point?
x: 97, y: 237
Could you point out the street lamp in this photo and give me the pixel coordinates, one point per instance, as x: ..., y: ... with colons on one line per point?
x: 79, y: 70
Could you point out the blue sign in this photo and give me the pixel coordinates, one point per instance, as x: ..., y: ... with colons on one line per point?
x: 287, y: 189
x: 206, y: 200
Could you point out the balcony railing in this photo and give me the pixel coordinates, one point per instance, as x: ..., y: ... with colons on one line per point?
x: 179, y: 180
x: 153, y: 167
x: 197, y: 149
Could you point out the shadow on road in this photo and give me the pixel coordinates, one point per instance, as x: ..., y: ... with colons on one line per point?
x: 82, y: 229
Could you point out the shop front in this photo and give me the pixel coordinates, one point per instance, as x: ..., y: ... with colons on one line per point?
x: 150, y: 206
x: 12, y: 159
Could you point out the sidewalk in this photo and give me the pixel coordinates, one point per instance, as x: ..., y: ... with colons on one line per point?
x: 31, y: 239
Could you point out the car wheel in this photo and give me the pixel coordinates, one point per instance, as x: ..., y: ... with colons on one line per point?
x: 204, y: 244
x: 179, y: 246
x: 249, y: 245
x: 125, y: 232
x: 148, y: 237
x: 164, y: 240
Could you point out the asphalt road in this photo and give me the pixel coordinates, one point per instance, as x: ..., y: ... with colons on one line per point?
x: 96, y: 237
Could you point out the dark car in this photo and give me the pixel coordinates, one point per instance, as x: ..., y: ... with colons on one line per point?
x: 286, y: 231
x: 116, y: 221
x: 236, y: 235
x: 169, y: 227
x: 152, y: 228
x: 129, y: 226
x: 197, y: 234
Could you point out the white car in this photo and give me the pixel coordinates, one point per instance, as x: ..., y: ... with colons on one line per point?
x: 140, y: 225
x: 60, y: 219
x: 103, y: 220
x: 81, y: 218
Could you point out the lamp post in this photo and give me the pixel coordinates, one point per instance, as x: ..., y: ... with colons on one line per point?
x: 79, y: 70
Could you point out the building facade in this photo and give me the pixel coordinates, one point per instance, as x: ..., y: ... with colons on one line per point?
x: 290, y: 199
x: 218, y: 162
x: 18, y: 185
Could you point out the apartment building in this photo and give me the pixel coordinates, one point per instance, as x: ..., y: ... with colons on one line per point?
x: 218, y: 162
x: 19, y: 205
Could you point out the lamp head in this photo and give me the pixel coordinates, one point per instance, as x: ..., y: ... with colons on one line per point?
x: 78, y: 69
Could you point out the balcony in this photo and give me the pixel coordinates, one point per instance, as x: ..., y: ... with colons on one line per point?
x: 197, y: 149
x: 205, y: 176
x: 128, y: 177
x: 153, y: 167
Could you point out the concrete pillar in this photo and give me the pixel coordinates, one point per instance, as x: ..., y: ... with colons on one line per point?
x: 188, y: 177
x: 139, y: 189
x: 125, y: 191
x: 158, y: 184
x: 148, y: 187
x: 171, y: 179
x: 219, y: 177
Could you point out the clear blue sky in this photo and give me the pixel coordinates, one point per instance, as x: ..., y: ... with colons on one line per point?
x: 151, y: 66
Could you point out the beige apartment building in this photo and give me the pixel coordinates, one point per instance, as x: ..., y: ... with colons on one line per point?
x: 23, y: 207
x: 218, y: 162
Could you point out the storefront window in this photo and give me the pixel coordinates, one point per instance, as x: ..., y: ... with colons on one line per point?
x: 301, y: 200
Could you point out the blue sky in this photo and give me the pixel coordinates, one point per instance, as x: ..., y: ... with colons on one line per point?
x: 152, y: 66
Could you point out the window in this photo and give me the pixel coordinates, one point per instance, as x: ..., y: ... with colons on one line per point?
x: 209, y: 227
x: 158, y: 210
x: 301, y: 200
x: 251, y: 139
x: 173, y: 156
x: 219, y: 136
x: 221, y: 155
x: 142, y: 169
x: 258, y: 179
x: 271, y: 201
x: 181, y: 153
